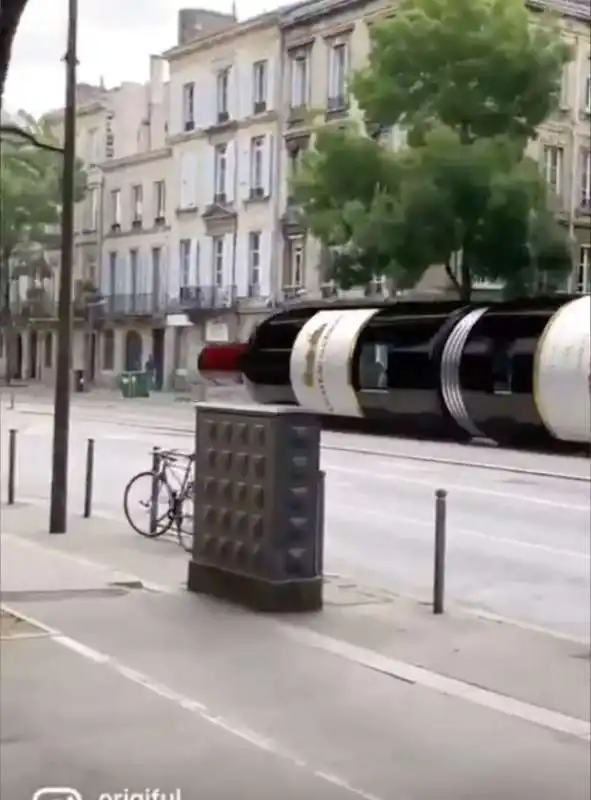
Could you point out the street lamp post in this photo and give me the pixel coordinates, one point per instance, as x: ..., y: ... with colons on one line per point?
x: 61, y: 418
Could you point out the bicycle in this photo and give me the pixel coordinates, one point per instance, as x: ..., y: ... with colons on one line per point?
x: 174, y: 499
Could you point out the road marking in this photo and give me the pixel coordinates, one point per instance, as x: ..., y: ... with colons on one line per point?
x: 193, y: 706
x: 545, y: 717
x: 423, y: 523
x: 460, y: 487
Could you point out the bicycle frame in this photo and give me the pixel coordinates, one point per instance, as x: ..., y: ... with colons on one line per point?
x: 180, y: 494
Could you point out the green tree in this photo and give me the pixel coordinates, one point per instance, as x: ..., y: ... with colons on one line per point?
x: 470, y: 80
x: 30, y: 192
x: 483, y: 68
x: 342, y: 190
x: 473, y: 206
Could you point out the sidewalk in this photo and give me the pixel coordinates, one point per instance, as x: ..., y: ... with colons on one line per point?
x: 372, y: 698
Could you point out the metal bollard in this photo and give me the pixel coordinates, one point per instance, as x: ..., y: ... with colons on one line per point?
x: 440, y: 547
x: 11, y: 465
x: 88, y: 478
x: 155, y: 487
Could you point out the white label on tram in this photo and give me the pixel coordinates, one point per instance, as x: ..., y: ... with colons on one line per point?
x: 562, y: 381
x: 320, y: 363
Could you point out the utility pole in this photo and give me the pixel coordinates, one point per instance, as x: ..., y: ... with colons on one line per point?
x: 61, y: 413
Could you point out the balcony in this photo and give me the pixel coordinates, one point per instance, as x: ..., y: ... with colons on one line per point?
x: 133, y: 305
x: 199, y: 301
x: 35, y: 304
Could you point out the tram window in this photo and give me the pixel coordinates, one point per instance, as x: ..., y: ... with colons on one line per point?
x: 502, y: 368
x: 373, y: 369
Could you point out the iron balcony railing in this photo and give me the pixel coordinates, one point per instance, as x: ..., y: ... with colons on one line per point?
x: 131, y: 304
x: 204, y: 298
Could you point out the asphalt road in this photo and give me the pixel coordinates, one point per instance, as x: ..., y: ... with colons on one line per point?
x: 518, y: 544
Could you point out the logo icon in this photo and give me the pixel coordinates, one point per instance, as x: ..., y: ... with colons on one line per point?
x: 57, y: 793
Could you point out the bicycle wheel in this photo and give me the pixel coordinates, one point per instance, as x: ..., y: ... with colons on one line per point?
x: 184, y: 522
x: 137, y: 503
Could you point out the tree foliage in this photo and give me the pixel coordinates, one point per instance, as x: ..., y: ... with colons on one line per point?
x: 31, y: 187
x: 481, y: 67
x: 470, y: 81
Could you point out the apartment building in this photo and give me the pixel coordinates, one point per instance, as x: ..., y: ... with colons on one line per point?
x: 224, y: 135
x: 563, y: 147
x: 324, y: 39
x: 135, y: 227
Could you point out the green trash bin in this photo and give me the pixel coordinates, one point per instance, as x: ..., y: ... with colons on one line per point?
x: 135, y: 384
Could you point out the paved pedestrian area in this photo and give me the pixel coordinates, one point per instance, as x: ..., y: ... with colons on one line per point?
x: 127, y: 687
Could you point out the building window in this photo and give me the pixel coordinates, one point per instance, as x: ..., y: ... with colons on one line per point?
x: 587, y: 87
x: 583, y: 282
x: 91, y: 209
x: 185, y: 261
x: 159, y: 201
x: 156, y: 277
x: 220, y: 170
x: 115, y: 209
x: 222, y: 92
x: 133, y: 272
x: 337, y: 75
x: 48, y: 350
x: 299, y: 80
x: 92, y: 154
x: 108, y: 350
x: 254, y: 264
x: 297, y: 263
x: 136, y: 205
x: 553, y: 163
x: 197, y: 263
x: 179, y: 352
x: 112, y: 273
x: 109, y: 136
x: 259, y: 85
x: 565, y: 86
x: 218, y: 261
x: 257, y: 145
x: 188, y: 106
x: 586, y: 180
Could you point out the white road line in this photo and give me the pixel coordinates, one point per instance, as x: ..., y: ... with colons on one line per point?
x: 454, y: 531
x: 194, y: 706
x: 545, y: 717
x: 459, y: 487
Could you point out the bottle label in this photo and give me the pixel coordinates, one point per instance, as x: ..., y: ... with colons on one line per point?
x: 562, y: 367
x: 321, y: 361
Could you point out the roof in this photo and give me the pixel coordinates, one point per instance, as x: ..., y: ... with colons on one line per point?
x: 299, y: 12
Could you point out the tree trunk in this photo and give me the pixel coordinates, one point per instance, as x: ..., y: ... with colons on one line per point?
x: 465, y: 268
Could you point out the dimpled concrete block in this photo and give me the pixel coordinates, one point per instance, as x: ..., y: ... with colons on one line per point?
x: 258, y: 527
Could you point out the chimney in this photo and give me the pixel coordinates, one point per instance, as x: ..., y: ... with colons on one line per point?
x: 193, y: 22
x: 157, y: 72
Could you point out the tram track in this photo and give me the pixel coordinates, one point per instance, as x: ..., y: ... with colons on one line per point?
x: 180, y: 430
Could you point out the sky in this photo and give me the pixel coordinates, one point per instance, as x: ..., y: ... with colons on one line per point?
x: 115, y: 40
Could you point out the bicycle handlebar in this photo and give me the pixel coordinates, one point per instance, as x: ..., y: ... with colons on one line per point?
x: 175, y: 455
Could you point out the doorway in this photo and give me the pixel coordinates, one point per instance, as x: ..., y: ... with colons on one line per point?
x: 17, y: 366
x: 158, y: 356
x: 33, y: 348
x: 133, y: 352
